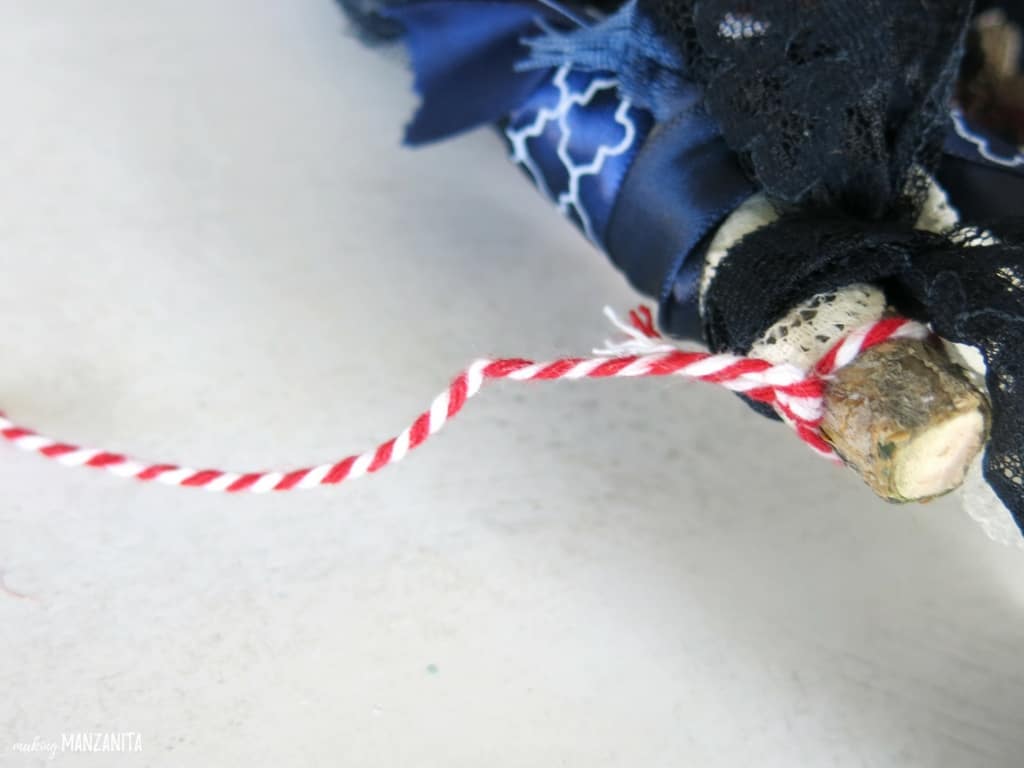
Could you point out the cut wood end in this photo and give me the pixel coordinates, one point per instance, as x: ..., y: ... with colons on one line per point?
x: 907, y: 419
x: 936, y: 461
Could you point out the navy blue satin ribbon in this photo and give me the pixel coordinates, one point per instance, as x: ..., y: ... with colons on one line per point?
x: 682, y: 185
x: 653, y: 199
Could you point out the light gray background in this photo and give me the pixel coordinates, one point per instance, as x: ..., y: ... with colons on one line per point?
x: 214, y: 251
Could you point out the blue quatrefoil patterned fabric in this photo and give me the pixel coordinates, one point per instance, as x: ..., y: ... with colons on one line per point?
x: 576, y: 137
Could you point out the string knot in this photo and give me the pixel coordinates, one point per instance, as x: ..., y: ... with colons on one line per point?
x: 797, y: 395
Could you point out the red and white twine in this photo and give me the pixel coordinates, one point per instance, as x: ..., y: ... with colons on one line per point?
x: 796, y: 394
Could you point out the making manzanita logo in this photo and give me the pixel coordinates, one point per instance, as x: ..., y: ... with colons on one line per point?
x: 125, y: 741
x: 82, y: 741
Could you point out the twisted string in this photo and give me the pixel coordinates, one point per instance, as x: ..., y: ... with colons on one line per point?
x: 796, y: 394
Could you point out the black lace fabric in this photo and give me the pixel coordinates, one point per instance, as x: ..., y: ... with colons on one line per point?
x: 829, y: 103
x: 969, y: 284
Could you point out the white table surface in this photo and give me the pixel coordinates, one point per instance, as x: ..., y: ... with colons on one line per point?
x: 213, y: 251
